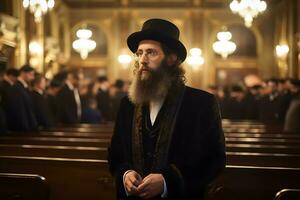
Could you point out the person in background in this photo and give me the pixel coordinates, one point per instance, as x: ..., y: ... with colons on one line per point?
x: 116, y: 98
x: 90, y: 114
x: 68, y: 100
x: 103, y: 99
x: 20, y: 111
x: 51, y: 98
x: 40, y: 105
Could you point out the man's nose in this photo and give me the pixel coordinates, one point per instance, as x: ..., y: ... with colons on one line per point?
x: 144, y: 58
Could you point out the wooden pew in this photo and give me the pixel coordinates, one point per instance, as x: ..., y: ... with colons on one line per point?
x: 67, y: 141
x: 78, y: 179
x: 262, y: 135
x: 61, y: 134
x: 288, y: 194
x: 82, y: 129
x: 89, y: 179
x: 263, y: 159
x: 23, y: 187
x: 261, y: 148
x: 249, y: 183
x: 270, y: 141
x: 53, y: 151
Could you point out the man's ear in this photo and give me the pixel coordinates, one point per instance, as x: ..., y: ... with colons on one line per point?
x: 171, y: 59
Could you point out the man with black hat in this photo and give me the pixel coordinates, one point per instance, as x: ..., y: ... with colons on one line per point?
x: 168, y: 140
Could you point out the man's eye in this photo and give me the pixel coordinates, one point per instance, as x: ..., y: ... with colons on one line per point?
x: 138, y: 54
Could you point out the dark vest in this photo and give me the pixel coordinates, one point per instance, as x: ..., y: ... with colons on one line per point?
x: 150, y: 135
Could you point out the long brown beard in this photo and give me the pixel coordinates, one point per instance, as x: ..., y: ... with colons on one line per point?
x: 154, y: 87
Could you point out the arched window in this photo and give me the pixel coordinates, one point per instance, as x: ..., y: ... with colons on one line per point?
x: 245, y: 41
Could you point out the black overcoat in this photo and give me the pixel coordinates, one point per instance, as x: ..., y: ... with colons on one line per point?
x: 20, y: 114
x: 66, y: 106
x: 197, y: 150
x: 41, y: 110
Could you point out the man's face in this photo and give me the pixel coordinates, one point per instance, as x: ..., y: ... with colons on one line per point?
x: 29, y: 76
x: 150, y: 56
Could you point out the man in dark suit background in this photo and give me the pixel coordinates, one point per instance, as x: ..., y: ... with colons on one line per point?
x: 168, y: 140
x: 9, y: 78
x: 40, y: 105
x: 20, y: 114
x: 103, y: 99
x: 68, y: 100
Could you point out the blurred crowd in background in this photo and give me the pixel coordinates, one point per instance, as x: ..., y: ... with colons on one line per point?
x: 29, y: 101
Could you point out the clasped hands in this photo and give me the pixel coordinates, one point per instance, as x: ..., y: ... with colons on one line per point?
x: 151, y: 186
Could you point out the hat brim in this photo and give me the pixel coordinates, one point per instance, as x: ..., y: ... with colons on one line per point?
x: 135, y: 38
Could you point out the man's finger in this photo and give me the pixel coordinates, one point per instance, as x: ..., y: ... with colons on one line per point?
x: 134, y: 181
x: 143, y: 186
x: 130, y: 187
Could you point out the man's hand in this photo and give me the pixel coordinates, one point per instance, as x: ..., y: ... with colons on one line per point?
x: 131, y: 181
x: 151, y: 186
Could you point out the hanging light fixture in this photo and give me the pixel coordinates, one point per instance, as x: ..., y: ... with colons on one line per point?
x: 281, y: 51
x: 84, y: 44
x: 248, y: 9
x: 38, y: 7
x: 224, y: 46
x: 196, y: 59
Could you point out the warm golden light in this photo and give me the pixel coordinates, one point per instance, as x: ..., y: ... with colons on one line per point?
x: 195, y: 59
x: 84, y: 44
x: 224, y: 46
x: 38, y: 7
x: 282, y: 50
x: 248, y: 9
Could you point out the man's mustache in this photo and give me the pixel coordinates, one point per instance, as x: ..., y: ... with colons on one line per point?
x: 146, y: 68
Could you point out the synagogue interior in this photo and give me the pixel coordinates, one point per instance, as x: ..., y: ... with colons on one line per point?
x: 53, y: 144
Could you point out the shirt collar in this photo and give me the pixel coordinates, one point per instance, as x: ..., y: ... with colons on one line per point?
x: 23, y: 82
x: 8, y: 80
x: 38, y: 91
x: 69, y: 84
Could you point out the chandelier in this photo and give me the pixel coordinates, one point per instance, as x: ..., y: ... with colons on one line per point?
x: 224, y: 46
x: 196, y: 59
x: 84, y: 44
x: 248, y: 9
x: 38, y: 7
x: 282, y: 51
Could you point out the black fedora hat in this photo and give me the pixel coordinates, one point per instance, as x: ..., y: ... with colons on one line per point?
x: 159, y: 30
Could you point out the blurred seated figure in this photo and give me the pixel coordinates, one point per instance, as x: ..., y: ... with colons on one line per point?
x: 20, y: 112
x: 252, y: 99
x: 90, y: 114
x: 116, y: 94
x: 236, y: 107
x: 40, y: 105
x: 272, y: 107
x: 51, y: 97
x: 103, y: 99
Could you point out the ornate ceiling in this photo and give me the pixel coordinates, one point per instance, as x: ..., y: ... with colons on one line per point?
x: 146, y: 3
